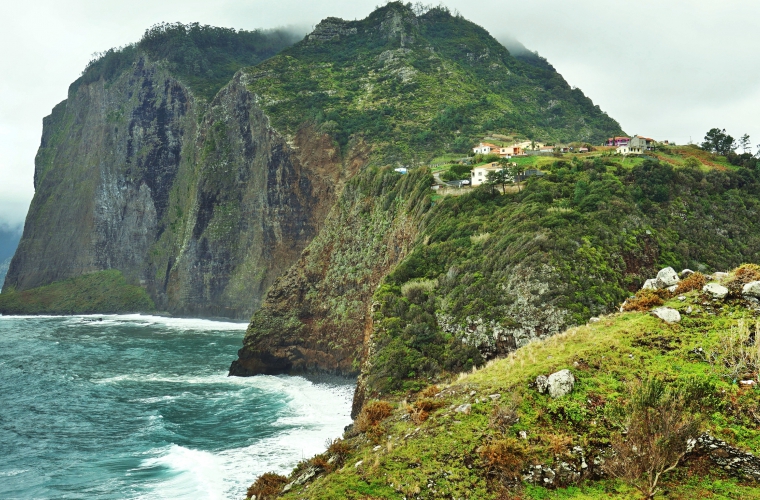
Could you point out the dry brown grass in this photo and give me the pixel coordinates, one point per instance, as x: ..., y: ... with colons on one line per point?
x: 267, y: 486
x: 644, y: 300
x: 692, y: 282
x: 372, y: 414
x: 738, y: 352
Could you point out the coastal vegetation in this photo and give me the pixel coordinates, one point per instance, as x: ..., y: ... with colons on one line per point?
x: 98, y: 292
x: 655, y: 406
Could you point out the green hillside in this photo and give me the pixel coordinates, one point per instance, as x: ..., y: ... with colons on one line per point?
x: 99, y: 292
x: 203, y: 57
x: 491, y: 434
x: 414, y: 86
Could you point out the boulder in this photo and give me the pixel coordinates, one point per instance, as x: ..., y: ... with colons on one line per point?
x: 667, y: 314
x: 466, y: 409
x: 667, y: 277
x: 752, y: 289
x: 542, y: 384
x: 650, y: 285
x: 685, y: 273
x: 715, y: 290
x: 561, y: 383
x: 720, y: 276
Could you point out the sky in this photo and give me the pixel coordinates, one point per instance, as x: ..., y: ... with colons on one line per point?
x: 667, y: 69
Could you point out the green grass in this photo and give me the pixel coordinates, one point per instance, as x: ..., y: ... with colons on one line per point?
x: 439, y: 458
x: 99, y: 292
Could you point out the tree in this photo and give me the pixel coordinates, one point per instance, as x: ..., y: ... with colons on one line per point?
x: 718, y: 141
x: 517, y: 170
x: 745, y: 143
x: 660, y: 428
x: 498, y: 177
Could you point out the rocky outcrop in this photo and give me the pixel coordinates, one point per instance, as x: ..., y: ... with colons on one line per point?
x: 202, y: 205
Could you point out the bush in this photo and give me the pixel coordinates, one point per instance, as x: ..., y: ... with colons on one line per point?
x: 372, y: 414
x: 644, y: 300
x: 660, y: 429
x: 267, y: 486
x: 420, y: 410
x: 503, y: 459
x: 694, y: 281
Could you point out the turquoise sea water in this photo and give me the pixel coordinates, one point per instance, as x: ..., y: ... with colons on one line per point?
x: 137, y: 406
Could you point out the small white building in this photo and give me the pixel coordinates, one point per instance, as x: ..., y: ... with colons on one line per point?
x: 479, y: 175
x: 485, y: 148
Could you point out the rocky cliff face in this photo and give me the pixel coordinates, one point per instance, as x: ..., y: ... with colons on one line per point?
x: 317, y: 317
x: 204, y: 205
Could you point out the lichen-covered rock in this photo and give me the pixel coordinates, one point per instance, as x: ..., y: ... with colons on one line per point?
x: 561, y: 383
x: 715, y: 290
x: 667, y: 277
x: 752, y: 289
x: 685, y: 273
x: 542, y: 384
x: 650, y: 284
x: 734, y: 461
x: 667, y: 314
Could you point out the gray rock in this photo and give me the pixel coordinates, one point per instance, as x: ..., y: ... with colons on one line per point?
x: 667, y: 277
x: 561, y: 383
x: 466, y: 409
x: 720, y: 276
x: 650, y: 285
x: 715, y: 290
x: 673, y: 288
x: 667, y: 314
x: 542, y: 384
x: 685, y: 273
x: 752, y: 289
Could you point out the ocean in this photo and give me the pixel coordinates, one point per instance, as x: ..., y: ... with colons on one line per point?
x: 141, y: 407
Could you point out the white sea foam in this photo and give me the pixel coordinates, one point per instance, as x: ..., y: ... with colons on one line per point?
x: 314, y: 413
x: 141, y: 320
x: 177, y: 324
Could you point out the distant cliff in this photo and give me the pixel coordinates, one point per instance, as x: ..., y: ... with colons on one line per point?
x: 200, y: 162
x: 201, y: 203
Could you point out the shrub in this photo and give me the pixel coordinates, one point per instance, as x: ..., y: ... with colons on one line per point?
x: 372, y: 414
x: 430, y: 391
x: 267, y: 486
x: 660, y: 430
x: 504, y: 458
x: 694, y: 281
x: 421, y: 409
x: 644, y: 300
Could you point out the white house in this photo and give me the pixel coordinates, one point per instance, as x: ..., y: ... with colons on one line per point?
x: 479, y: 175
x: 485, y: 148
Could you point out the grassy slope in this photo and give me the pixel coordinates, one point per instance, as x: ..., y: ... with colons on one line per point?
x: 439, y: 457
x: 570, y: 246
x: 366, y: 85
x: 101, y: 292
